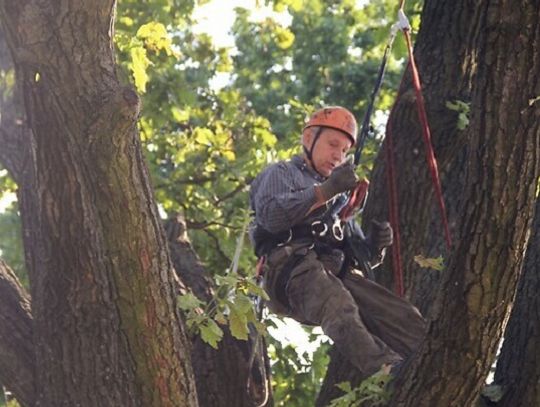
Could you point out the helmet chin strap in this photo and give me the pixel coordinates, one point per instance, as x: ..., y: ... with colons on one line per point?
x: 309, y: 153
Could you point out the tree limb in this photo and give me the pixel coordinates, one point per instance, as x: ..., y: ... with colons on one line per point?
x: 17, y: 356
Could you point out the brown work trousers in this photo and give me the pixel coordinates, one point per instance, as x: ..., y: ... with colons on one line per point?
x: 368, y: 324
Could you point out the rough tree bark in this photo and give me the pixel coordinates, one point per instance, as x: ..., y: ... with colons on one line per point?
x: 518, y: 366
x: 107, y: 331
x: 477, y: 290
x: 17, y: 357
x: 488, y: 52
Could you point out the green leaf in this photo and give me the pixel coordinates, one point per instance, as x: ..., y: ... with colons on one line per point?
x: 255, y: 289
x: 432, y: 263
x: 127, y: 21
x: 211, y: 333
x: 188, y: 301
x: 238, y: 325
x: 155, y: 37
x: 220, y: 318
x: 344, y: 386
x: 284, y: 37
x: 180, y: 115
x: 203, y: 135
x: 139, y: 64
x: 463, y: 109
x: 242, y: 303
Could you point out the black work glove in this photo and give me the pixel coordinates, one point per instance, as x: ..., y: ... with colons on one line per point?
x: 381, y: 236
x: 342, y: 179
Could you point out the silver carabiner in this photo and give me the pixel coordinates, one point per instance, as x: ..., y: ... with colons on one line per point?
x: 322, y: 232
x: 286, y: 240
x: 337, y: 230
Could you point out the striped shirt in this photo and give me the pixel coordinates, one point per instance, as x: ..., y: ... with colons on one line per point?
x: 283, y: 193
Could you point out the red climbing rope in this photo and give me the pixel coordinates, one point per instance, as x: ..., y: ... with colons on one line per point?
x: 430, y: 157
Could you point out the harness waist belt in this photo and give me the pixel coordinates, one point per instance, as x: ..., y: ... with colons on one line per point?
x: 318, y: 230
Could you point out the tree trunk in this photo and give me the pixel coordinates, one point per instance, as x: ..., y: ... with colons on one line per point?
x: 518, y: 367
x: 477, y: 290
x: 107, y: 330
x: 17, y: 356
x: 483, y: 53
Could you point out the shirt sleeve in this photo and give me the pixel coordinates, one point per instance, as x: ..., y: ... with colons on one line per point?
x: 279, y: 201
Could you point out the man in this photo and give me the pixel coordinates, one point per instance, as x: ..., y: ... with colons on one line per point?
x: 307, y: 273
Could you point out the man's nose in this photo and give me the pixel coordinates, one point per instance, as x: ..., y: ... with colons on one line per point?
x: 339, y: 156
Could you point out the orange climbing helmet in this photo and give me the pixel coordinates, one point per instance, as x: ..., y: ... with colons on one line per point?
x: 335, y: 117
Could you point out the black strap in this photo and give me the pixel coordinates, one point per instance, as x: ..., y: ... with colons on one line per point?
x: 309, y: 152
x: 318, y: 231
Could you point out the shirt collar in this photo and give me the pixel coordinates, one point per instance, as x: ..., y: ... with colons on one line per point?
x: 298, y: 160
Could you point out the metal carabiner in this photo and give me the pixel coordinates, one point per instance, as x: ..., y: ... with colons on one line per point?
x: 286, y: 240
x: 337, y: 230
x: 316, y: 223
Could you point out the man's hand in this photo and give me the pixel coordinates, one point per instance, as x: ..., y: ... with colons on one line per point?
x: 341, y: 179
x: 382, y: 235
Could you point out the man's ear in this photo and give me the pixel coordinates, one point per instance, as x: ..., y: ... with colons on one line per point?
x: 307, y: 137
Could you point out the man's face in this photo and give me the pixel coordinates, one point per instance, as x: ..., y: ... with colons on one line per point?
x: 330, y: 149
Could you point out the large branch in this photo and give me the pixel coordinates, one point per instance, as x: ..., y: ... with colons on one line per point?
x: 17, y: 356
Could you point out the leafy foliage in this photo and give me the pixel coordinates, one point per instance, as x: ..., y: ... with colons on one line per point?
x: 374, y: 390
x: 203, y: 146
x: 296, y: 377
x: 230, y: 305
x: 333, y: 59
x: 462, y: 109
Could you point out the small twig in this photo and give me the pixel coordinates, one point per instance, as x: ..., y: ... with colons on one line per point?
x: 195, y: 225
x: 218, y: 247
x: 232, y: 193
